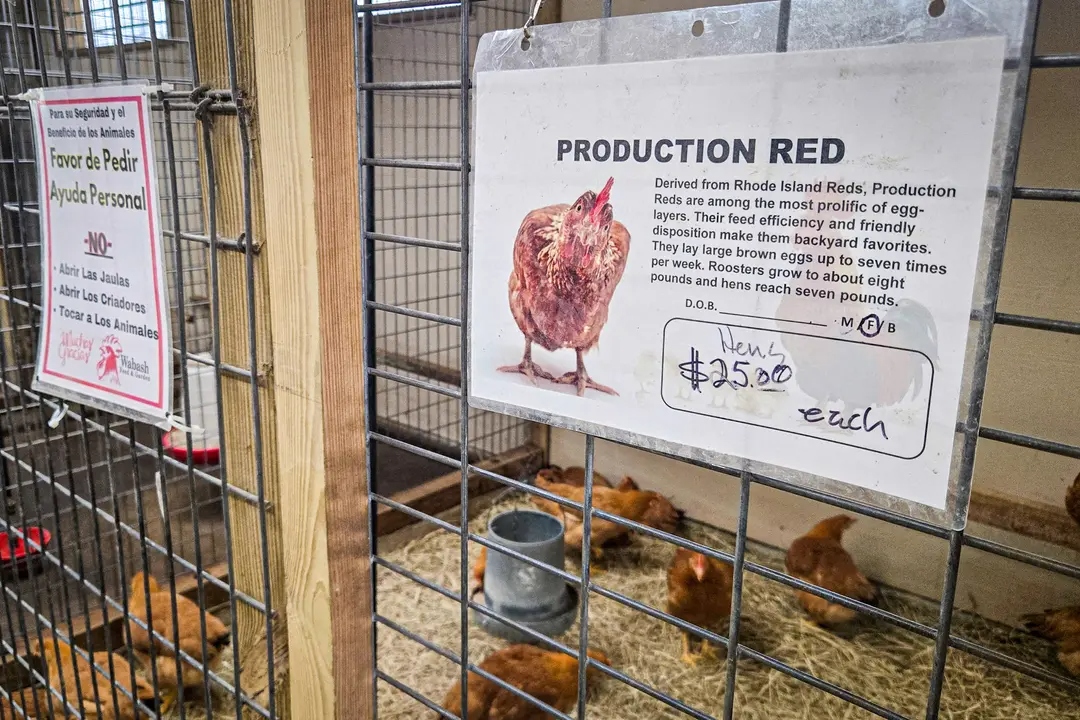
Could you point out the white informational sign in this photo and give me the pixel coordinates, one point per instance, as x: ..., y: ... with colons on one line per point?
x: 105, y: 326
x: 769, y: 257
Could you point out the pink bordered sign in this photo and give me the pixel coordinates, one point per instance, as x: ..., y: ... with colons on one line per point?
x: 105, y: 315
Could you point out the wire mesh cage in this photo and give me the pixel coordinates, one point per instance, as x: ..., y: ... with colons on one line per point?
x: 409, y: 46
x: 92, y: 499
x: 922, y: 650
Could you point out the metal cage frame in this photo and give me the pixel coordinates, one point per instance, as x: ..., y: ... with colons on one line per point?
x: 958, y: 539
x: 61, y: 39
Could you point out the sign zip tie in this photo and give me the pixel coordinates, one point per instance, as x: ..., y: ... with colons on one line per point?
x: 176, y: 422
x: 159, y: 489
x: 527, y: 28
x: 57, y: 416
x: 31, y: 95
x: 164, y: 87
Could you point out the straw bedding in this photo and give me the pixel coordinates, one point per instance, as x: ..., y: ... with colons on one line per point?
x: 885, y: 664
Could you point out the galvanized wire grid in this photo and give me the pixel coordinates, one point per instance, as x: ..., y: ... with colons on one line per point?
x: 91, y: 481
x: 424, y: 201
x: 396, y: 210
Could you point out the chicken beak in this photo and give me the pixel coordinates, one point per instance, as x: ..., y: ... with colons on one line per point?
x: 699, y: 567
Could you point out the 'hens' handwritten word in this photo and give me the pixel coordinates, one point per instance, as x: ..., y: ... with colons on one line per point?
x: 748, y: 349
x: 857, y: 421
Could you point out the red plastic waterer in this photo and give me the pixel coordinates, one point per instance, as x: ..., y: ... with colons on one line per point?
x: 175, y: 444
x: 202, y: 388
x: 19, y: 554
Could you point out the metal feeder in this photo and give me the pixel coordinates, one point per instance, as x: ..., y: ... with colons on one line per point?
x: 535, y: 598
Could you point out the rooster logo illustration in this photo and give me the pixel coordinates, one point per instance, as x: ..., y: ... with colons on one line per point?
x: 108, y: 365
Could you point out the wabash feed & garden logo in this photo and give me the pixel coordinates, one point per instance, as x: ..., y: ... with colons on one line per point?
x: 114, y: 364
x: 108, y: 366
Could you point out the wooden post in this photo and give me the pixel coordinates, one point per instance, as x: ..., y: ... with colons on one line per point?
x: 304, y: 52
x: 295, y: 70
x: 238, y: 430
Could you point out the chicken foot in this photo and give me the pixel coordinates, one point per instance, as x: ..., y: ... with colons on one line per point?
x: 528, y: 368
x: 581, y: 379
x: 707, y: 652
x: 169, y: 698
x: 688, y: 655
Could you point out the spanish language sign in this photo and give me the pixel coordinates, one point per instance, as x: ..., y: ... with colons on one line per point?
x: 105, y: 325
x: 763, y: 257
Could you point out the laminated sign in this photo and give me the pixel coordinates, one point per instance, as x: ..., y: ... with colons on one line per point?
x: 762, y: 261
x: 105, y: 325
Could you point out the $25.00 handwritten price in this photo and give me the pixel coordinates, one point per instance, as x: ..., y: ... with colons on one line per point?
x: 741, y: 374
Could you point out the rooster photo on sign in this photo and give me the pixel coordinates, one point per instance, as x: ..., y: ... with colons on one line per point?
x: 568, y: 260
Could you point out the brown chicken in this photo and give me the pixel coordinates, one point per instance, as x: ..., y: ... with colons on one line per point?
x: 34, y: 703
x: 647, y: 507
x: 478, y: 573
x: 1062, y: 626
x: 189, y: 616
x: 659, y: 514
x: 819, y: 558
x: 547, y: 675
x: 1072, y: 499
x: 699, y: 592
x: 568, y: 260
x: 79, y: 678
x: 574, y: 475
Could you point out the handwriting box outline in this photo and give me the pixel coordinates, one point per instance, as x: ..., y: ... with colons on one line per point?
x: 929, y: 394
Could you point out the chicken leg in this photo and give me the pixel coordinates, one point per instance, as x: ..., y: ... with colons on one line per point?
x: 528, y: 368
x: 169, y: 696
x: 691, y: 658
x: 581, y: 379
x: 688, y: 656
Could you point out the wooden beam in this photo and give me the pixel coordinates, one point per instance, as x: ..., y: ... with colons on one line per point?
x: 7, y: 325
x: 1034, y: 520
x: 444, y: 492
x: 308, y: 155
x: 242, y: 466
x: 335, y: 152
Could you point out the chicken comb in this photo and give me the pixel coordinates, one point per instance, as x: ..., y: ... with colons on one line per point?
x: 604, y: 196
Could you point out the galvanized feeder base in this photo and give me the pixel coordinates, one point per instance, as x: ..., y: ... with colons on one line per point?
x: 550, y: 623
x: 536, y: 598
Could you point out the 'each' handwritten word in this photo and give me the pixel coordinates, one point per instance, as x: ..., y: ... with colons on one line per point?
x: 857, y: 420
